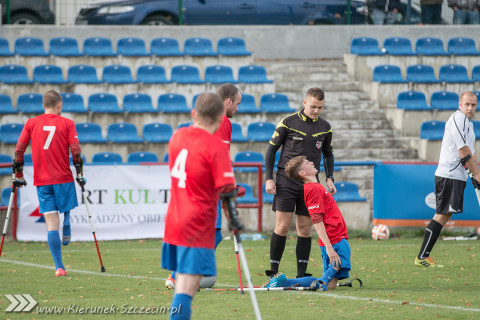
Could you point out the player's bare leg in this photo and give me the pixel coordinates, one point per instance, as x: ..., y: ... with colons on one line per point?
x: 52, y: 221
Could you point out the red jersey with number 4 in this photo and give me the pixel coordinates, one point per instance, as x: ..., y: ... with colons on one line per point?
x: 320, y: 202
x: 199, y: 166
x: 224, y: 132
x: 51, y: 135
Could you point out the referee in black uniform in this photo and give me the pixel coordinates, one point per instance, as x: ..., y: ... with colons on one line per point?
x: 302, y: 133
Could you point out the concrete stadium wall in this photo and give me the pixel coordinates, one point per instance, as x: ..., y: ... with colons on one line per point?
x: 267, y: 42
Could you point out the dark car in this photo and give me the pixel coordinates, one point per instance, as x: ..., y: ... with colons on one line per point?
x: 28, y: 12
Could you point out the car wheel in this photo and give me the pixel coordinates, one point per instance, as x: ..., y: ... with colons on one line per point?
x: 323, y: 22
x: 25, y: 18
x: 157, y: 20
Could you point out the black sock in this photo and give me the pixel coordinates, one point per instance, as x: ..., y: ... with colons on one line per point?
x: 303, y: 254
x: 432, y: 231
x: 277, y: 246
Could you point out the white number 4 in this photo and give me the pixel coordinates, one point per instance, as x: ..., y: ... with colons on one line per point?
x: 178, y: 170
x: 51, y: 130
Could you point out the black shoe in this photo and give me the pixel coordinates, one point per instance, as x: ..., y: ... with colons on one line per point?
x: 270, y: 273
x: 304, y: 275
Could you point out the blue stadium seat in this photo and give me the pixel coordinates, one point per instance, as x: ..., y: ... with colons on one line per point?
x: 248, y: 156
x: 6, y: 106
x: 98, y: 47
x: 219, y: 74
x: 83, y: 73
x: 64, y: 47
x: 266, y: 197
x: 132, y: 47
x: 277, y: 158
x: 107, y: 158
x: 429, y: 46
x: 260, y: 131
x: 165, y: 47
x: 275, y: 103
x: 138, y: 103
x: 5, y: 48
x: 29, y: 46
x: 184, y: 124
x: 253, y: 74
x: 186, y: 75
x: 476, y: 128
x: 172, y: 103
x: 157, y: 132
x: 103, y: 103
x: 6, y: 159
x: 388, y: 74
x: 14, y: 74
x: 194, y: 99
x: 347, y: 192
x: 248, y: 105
x: 88, y: 132
x: 476, y: 73
x: 48, y: 74
x: 27, y: 159
x: 123, y: 133
x: 10, y: 132
x: 165, y: 157
x: 365, y: 46
x: 30, y: 103
x: 117, y: 74
x: 462, y: 46
x: 420, y: 73
x: 142, y: 156
x: 152, y: 74
x: 199, y: 47
x: 231, y: 46
x: 248, y: 198
x: 398, y: 46
x: 413, y: 101
x: 73, y: 102
x: 237, y: 134
x: 444, y: 100
x: 454, y: 73
x: 432, y: 130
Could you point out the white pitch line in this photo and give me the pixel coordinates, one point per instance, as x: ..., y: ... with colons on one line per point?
x: 332, y: 295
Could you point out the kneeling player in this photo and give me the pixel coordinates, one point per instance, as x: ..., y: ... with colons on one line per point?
x: 328, y: 222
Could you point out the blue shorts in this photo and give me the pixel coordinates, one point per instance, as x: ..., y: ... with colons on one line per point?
x: 343, y: 250
x: 60, y: 197
x: 219, y: 215
x: 189, y: 260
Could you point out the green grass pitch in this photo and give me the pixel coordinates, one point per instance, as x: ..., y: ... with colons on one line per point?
x: 393, y: 287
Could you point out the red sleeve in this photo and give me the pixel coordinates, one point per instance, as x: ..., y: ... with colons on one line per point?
x: 22, y: 142
x: 314, y: 203
x: 222, y: 168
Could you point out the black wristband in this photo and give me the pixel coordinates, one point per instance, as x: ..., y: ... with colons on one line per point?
x: 331, y: 177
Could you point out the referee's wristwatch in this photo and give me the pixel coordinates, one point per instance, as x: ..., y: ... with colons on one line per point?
x: 331, y: 177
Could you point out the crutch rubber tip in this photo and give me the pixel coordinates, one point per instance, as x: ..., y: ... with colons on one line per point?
x: 102, y: 269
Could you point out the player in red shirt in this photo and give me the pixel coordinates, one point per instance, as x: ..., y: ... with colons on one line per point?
x: 328, y: 222
x: 51, y: 137
x: 200, y: 169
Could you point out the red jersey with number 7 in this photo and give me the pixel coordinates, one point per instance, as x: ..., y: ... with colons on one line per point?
x: 199, y: 166
x: 51, y: 136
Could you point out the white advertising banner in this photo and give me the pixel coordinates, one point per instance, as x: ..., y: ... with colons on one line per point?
x: 125, y: 202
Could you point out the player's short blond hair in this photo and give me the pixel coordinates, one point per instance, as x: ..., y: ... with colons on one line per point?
x: 208, y: 107
x: 51, y: 99
x: 292, y: 168
x: 317, y: 93
x: 470, y: 93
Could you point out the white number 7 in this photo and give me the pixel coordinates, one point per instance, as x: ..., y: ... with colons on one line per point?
x: 178, y: 169
x: 51, y: 130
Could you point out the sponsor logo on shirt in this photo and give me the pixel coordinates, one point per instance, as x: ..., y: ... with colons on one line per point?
x: 297, y: 138
x: 319, y: 144
x: 228, y: 174
x: 313, y: 207
x: 226, y: 141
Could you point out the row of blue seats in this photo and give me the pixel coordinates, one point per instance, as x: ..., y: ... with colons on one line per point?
x: 439, y: 100
x: 424, y: 46
x: 434, y: 130
x: 151, y: 133
x: 346, y: 192
x: 138, y: 103
x: 120, y: 74
x: 98, y: 46
x: 421, y: 73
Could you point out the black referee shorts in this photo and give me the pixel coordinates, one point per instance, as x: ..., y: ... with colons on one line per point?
x: 289, y: 197
x: 449, y: 195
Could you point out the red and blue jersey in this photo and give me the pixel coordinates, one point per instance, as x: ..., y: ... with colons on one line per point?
x: 199, y: 167
x: 51, y: 136
x: 320, y: 204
